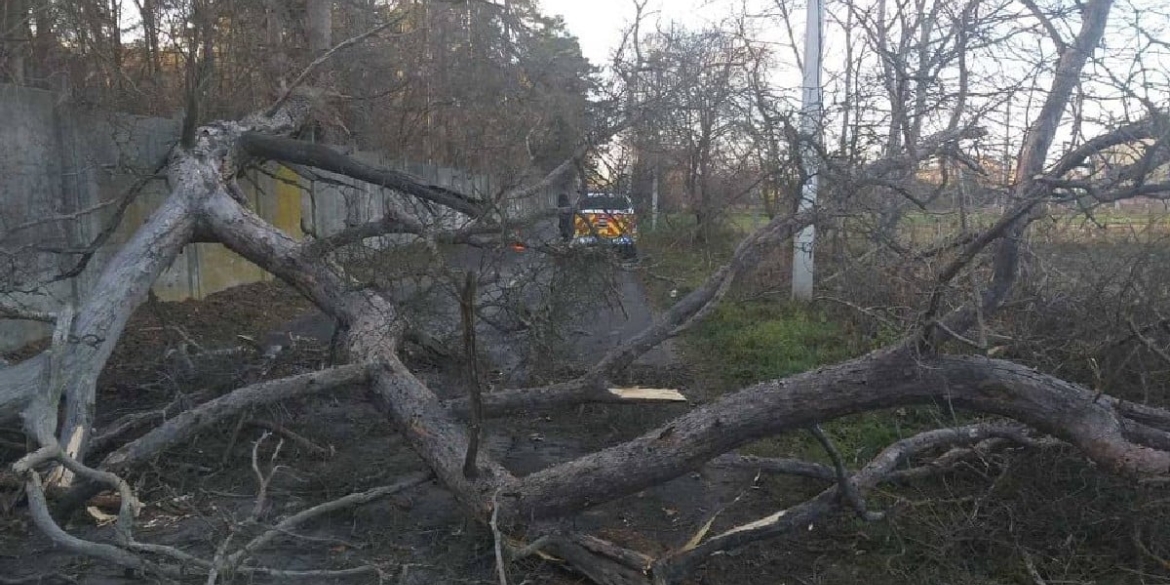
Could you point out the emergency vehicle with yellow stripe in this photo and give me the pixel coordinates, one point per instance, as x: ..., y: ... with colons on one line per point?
x: 602, y: 218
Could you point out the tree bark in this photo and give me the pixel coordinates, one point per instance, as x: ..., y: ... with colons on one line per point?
x: 1027, y: 191
x: 1120, y: 437
x: 195, y: 173
x: 883, y: 379
x: 374, y: 331
x: 324, y: 157
x: 122, y: 287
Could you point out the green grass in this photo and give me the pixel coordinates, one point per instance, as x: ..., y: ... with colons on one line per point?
x: 675, y: 261
x: 749, y: 341
x: 968, y: 527
x: 741, y: 342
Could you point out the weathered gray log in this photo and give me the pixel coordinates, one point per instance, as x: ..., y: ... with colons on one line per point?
x: 373, y: 333
x: 883, y: 379
x: 195, y: 173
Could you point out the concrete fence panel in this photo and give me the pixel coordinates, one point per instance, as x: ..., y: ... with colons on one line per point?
x: 64, y: 171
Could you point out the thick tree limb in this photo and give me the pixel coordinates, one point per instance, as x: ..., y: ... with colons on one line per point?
x: 373, y: 335
x: 40, y: 418
x: 1027, y: 191
x: 602, y: 562
x: 111, y: 435
x: 883, y: 379
x: 1005, y: 435
x: 100, y: 320
x: 185, y: 425
x: 39, y: 510
x: 195, y: 172
x: 1152, y: 127
x: 326, y: 158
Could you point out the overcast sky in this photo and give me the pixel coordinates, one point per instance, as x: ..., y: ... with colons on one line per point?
x: 598, y: 24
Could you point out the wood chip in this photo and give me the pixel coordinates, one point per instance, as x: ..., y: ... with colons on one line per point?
x: 648, y: 394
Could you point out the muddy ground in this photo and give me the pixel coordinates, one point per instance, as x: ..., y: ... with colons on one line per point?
x: 976, y: 526
x: 198, y: 494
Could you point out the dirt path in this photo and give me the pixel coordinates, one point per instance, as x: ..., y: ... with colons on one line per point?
x: 596, y: 325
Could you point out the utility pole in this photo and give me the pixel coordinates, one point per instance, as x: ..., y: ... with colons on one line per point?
x: 654, y: 199
x: 810, y: 117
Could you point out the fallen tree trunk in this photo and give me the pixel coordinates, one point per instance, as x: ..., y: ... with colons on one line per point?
x: 883, y: 379
x: 100, y: 321
x: 195, y: 172
x: 373, y: 332
x: 1128, y: 440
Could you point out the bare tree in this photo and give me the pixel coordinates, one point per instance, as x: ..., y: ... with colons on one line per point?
x: 204, y: 204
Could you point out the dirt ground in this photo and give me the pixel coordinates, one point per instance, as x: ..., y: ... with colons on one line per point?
x: 199, y: 493
x: 973, y: 527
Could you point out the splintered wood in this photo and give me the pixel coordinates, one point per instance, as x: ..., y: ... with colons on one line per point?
x: 636, y: 394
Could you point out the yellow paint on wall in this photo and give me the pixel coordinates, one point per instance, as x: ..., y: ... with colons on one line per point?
x: 169, y: 293
x: 205, y: 269
x: 286, y: 211
x: 221, y: 269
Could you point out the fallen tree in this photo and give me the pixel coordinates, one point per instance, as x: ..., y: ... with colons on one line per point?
x: 204, y: 205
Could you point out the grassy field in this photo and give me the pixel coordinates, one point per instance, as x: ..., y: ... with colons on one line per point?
x: 750, y: 338
x: 1031, y: 518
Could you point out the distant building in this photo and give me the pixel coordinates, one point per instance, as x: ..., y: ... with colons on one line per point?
x: 987, y: 172
x: 1119, y: 164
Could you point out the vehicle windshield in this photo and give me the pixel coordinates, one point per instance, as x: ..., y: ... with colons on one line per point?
x: 606, y: 202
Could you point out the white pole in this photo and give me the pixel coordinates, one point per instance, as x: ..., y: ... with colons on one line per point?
x: 654, y: 200
x: 810, y: 115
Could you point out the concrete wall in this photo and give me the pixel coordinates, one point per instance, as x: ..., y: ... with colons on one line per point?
x: 57, y: 159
